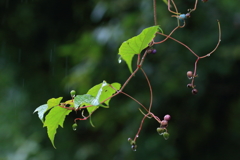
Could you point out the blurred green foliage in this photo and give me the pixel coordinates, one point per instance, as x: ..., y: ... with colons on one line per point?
x: 48, y: 48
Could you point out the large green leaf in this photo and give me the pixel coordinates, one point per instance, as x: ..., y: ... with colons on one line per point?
x: 136, y: 44
x: 96, y: 95
x: 54, y: 118
x: 102, y: 91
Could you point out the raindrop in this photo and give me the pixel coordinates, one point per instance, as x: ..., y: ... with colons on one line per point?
x: 119, y: 59
x: 137, y: 136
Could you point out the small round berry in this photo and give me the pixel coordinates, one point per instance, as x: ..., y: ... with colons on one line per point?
x: 189, y: 74
x: 160, y: 130
x: 74, y: 126
x: 72, y: 93
x: 164, y: 123
x: 167, y: 117
x: 165, y: 135
x: 194, y: 91
x: 154, y: 51
x: 189, y: 86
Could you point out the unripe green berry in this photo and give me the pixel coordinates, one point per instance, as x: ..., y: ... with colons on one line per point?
x: 165, y: 135
x: 74, y: 126
x: 72, y: 93
x: 160, y: 130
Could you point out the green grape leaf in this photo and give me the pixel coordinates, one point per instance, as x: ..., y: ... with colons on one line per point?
x: 136, y: 44
x: 54, y: 118
x: 101, y: 92
x: 53, y: 102
x: 95, y: 96
x: 81, y: 100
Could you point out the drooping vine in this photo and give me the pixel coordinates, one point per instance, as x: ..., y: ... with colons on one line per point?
x: 101, y: 94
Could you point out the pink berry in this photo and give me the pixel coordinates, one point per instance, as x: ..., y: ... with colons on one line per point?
x: 164, y: 123
x: 194, y: 91
x: 167, y: 117
x: 189, y: 74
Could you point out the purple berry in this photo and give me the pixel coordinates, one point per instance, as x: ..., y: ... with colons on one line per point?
x: 164, y: 123
x: 167, y: 117
x: 189, y: 74
x: 154, y: 51
x: 194, y: 91
x: 189, y: 85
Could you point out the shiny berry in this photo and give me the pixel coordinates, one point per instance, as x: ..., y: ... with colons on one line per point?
x: 167, y: 117
x: 189, y: 86
x: 194, y: 91
x: 74, y: 126
x: 72, y: 93
x: 189, y: 74
x: 154, y: 51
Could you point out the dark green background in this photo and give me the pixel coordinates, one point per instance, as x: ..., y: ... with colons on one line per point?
x: 49, y: 47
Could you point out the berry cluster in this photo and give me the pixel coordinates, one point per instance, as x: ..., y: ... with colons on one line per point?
x: 191, y: 76
x: 133, y: 144
x: 162, y: 130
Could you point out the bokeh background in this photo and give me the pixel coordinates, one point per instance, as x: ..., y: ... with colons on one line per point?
x: 49, y: 47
